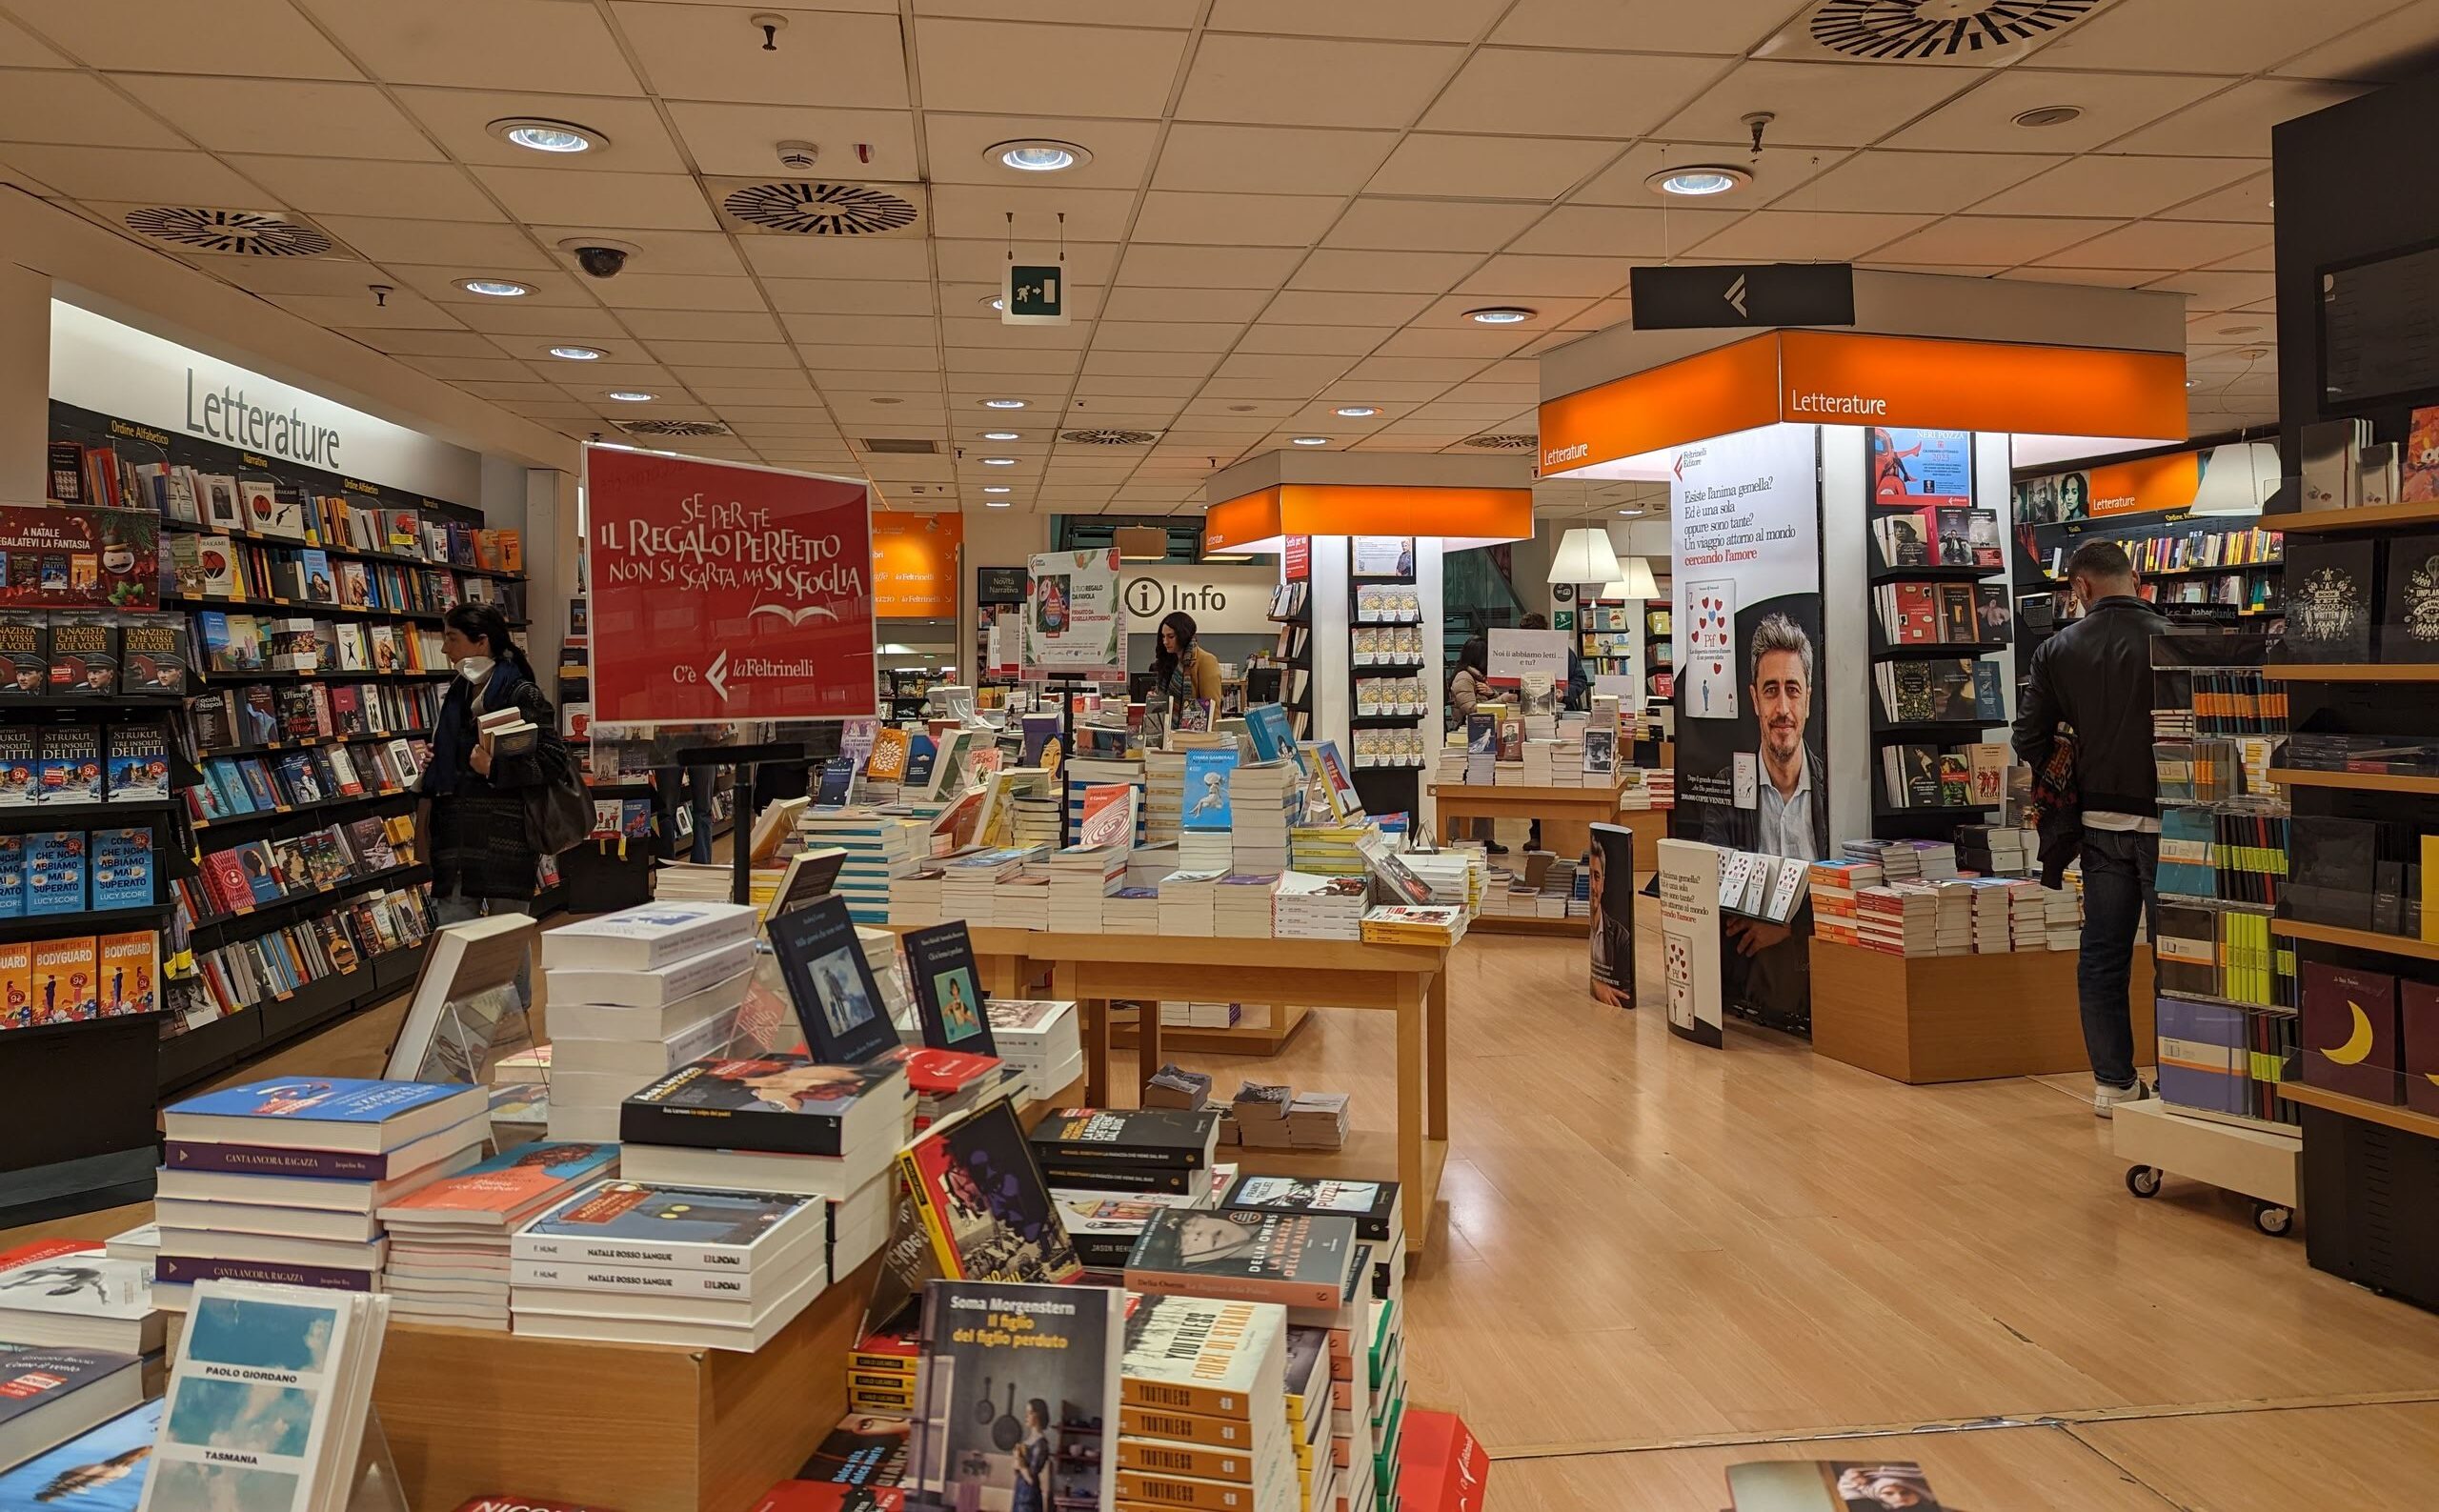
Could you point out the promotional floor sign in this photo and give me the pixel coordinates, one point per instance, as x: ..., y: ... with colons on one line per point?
x: 727, y: 591
x: 1612, y: 858
x: 1690, y: 939
x: 1075, y: 620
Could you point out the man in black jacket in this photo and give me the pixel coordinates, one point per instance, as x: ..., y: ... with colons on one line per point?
x: 2094, y: 676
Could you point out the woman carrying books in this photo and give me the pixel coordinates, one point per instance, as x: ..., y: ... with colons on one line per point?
x: 473, y: 785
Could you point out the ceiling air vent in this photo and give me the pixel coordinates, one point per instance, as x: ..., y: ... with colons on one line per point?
x: 1935, y: 30
x: 1506, y: 442
x: 1110, y: 437
x: 807, y: 208
x: 672, y: 427
x: 899, y: 446
x: 236, y: 232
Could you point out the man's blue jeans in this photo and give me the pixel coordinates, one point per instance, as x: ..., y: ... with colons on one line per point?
x: 2118, y: 868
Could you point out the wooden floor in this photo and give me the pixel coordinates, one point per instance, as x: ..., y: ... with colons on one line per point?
x: 1654, y: 1260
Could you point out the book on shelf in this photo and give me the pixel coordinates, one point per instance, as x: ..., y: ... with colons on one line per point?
x: 337, y: 1113
x: 983, y: 1201
x: 1020, y: 1387
x: 1296, y: 1259
x: 2334, y: 599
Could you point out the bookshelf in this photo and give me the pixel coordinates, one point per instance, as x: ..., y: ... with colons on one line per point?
x: 1290, y: 609
x: 1931, y: 701
x: 1388, y: 745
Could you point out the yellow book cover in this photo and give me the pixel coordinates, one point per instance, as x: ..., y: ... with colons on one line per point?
x: 17, y: 984
x: 2430, y: 889
x: 888, y: 762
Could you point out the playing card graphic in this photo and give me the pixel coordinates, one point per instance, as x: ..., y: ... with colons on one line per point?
x: 1679, y: 952
x: 1710, y: 650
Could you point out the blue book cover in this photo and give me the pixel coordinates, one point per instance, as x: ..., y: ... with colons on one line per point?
x: 1267, y: 724
x: 12, y: 876
x: 102, y: 1470
x: 70, y: 770
x: 258, y: 780
x: 121, y: 868
x: 1206, y: 789
x: 321, y: 1099
x: 632, y: 1213
x: 262, y: 871
x: 2186, y: 866
x: 2204, y: 1061
x: 55, y: 873
x: 297, y: 775
x: 320, y: 586
x: 213, y: 625
x: 228, y: 788
x: 139, y: 762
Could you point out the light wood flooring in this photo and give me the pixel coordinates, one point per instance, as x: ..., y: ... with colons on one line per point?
x: 1655, y: 1260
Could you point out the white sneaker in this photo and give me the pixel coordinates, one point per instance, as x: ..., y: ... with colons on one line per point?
x: 2105, y: 1097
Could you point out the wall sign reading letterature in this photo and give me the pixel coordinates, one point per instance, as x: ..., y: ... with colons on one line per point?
x: 727, y: 591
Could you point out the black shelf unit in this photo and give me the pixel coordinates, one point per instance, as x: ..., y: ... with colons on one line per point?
x: 1296, y: 659
x: 1901, y: 731
x: 1933, y: 650
x: 320, y: 807
x: 304, y: 607
x: 1385, y: 789
x: 261, y: 919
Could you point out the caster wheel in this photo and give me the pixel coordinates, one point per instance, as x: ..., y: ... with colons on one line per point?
x: 2144, y: 1181
x: 2274, y: 1221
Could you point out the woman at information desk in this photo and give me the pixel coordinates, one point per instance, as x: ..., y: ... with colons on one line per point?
x: 1182, y: 669
x: 1467, y: 686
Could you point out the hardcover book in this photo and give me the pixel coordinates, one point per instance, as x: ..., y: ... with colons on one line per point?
x: 777, y: 1104
x: 1296, y: 1259
x: 670, y: 1227
x: 837, y: 1004
x: 334, y: 1113
x: 983, y: 1203
x: 1019, y: 1389
x: 948, y: 996
x: 2350, y: 1033
x: 153, y: 655
x: 25, y: 654
x: 2332, y: 597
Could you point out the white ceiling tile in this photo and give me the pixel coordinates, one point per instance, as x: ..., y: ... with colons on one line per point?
x: 2162, y: 244
x: 533, y: 389
x: 1511, y: 275
x: 247, y: 38
x: 2261, y: 259
x: 1426, y: 272
x: 1394, y: 391
x: 958, y: 143
x: 982, y: 210
x: 1304, y: 307
x: 1983, y: 120
x: 1816, y: 104
x: 1150, y: 364
x: 1986, y: 240
x: 2398, y: 46
x: 1133, y: 389
x: 1161, y: 335
x: 1377, y: 222
x: 2237, y: 121
x: 424, y: 343
x: 1914, y: 183
x: 710, y: 327
x: 1088, y: 264
x: 714, y: 53
x: 1549, y: 313
x: 508, y: 317
x: 609, y: 200
x: 2217, y: 36
x: 723, y: 375
x: 474, y: 245
x: 646, y: 291
x: 849, y: 297
x: 1299, y: 81
x: 335, y: 186
x: 542, y: 45
x: 1419, y: 20
x: 263, y: 115
x: 722, y: 398
x: 1159, y: 266
x: 18, y: 50
x: 1627, y: 180
x: 1308, y: 372
x: 131, y: 174
x: 1414, y: 370
x: 2105, y: 185
x: 981, y: 327
x: 887, y: 257
x: 46, y: 104
x: 1230, y: 305
x: 1727, y: 27
x: 655, y: 251
x: 740, y: 140
x: 862, y: 329
x: 302, y: 276
x: 1013, y: 359
x: 1015, y: 68
x: 403, y: 309
x: 440, y: 284
x: 1488, y: 166
x: 2089, y: 277
x: 1257, y: 159
x: 877, y: 359
x: 2249, y: 200
x: 609, y: 371
x: 2219, y: 291
x: 1178, y: 13
x: 1612, y: 95
x: 1345, y: 341
x: 1791, y: 235
x: 1483, y: 342
x: 1235, y: 220
x: 461, y: 119
x: 1655, y: 231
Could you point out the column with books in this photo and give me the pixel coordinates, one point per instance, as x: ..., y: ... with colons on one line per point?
x: 1394, y: 709
x: 1939, y: 608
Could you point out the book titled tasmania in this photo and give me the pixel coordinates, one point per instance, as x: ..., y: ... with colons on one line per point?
x: 632, y: 1223
x: 334, y: 1113
x: 649, y: 937
x: 787, y: 1104
x: 1296, y: 1259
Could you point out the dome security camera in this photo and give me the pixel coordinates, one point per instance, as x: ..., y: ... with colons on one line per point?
x: 601, y: 262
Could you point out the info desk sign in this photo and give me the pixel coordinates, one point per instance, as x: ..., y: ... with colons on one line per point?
x: 726, y: 591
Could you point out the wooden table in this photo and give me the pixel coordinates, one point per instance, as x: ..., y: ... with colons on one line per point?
x: 1923, y: 1018
x: 1566, y: 815
x: 1407, y: 981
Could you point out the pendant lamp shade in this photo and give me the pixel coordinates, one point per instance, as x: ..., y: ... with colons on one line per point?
x: 1584, y: 556
x: 1634, y: 580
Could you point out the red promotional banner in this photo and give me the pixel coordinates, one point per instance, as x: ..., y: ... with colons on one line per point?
x: 726, y: 591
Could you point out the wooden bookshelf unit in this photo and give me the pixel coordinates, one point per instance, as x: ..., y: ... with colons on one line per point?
x: 1923, y: 1018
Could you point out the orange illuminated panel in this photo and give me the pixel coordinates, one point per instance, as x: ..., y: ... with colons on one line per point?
x: 1839, y: 378
x: 1247, y: 520
x: 1260, y: 521
x: 915, y: 571
x: 1718, y: 393
x: 2168, y: 482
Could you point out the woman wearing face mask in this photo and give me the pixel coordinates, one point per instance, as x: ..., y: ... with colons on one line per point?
x: 473, y: 811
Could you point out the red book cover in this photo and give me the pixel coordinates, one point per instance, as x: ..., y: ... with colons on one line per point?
x: 815, y: 1496
x: 2349, y: 1032
x: 1441, y: 1466
x: 2420, y: 1012
x: 1918, y: 614
x: 941, y: 1072
x: 521, y: 1503
x: 226, y: 876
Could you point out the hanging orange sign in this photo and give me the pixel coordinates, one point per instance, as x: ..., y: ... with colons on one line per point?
x: 915, y: 572
x: 1260, y: 521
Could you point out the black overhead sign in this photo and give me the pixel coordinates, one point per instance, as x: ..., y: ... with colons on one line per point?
x: 998, y: 585
x: 1760, y: 296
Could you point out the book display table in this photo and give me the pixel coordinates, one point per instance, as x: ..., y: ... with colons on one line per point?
x: 1921, y: 1018
x: 1407, y: 981
x: 1566, y: 815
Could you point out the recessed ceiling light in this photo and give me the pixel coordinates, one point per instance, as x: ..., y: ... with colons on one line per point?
x: 998, y: 487
x: 887, y: 399
x: 1003, y: 404
x: 496, y: 288
x: 632, y: 395
x: 995, y: 302
x: 999, y: 461
x: 1037, y: 156
x: 1356, y: 412
x: 1699, y: 180
x: 578, y: 353
x: 1312, y: 440
x: 1003, y: 436
x: 995, y: 503
x: 1501, y: 315
x: 1243, y: 409
x: 561, y: 138
x: 2049, y: 115
x: 1629, y: 511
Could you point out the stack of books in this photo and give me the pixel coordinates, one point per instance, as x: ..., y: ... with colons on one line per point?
x: 1199, y: 1014
x: 2063, y: 913
x: 1040, y: 1038
x: 1377, y: 1207
x: 1449, y: 763
x: 1898, y: 919
x: 882, y: 1370
x: 880, y: 848
x: 1037, y: 819
x: 1132, y: 910
x: 695, y: 1268
x: 1241, y: 904
x: 1022, y: 901
x: 1202, y: 1417
x: 1262, y: 799
x: 970, y: 889
x: 1384, y: 1368
x: 51, y: 1395
x: 2027, y: 916
x: 915, y: 897
x: 1539, y: 766
x: 1994, y: 849
x: 1661, y: 782
x: 1080, y: 878
x: 1160, y: 1152
x: 448, y: 1241
x: 1092, y: 772
x: 1415, y: 924
x: 1317, y: 1121
x: 1455, y: 875
x: 1328, y: 850
x: 1163, y: 793
x: 948, y: 1082
x: 1309, y: 1405
x: 1187, y: 900
x: 1994, y: 924
x: 1833, y: 886
x: 1308, y: 906
x: 635, y: 994
x: 1953, y: 915
x: 112, y: 1309
x: 342, y: 1150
